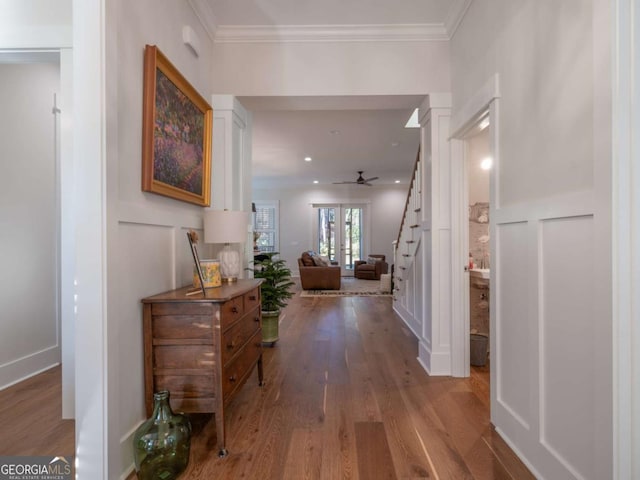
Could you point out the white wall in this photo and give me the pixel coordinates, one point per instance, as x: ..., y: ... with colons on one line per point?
x: 385, y: 204
x: 551, y: 200
x: 29, y: 330
x: 35, y: 23
x: 478, y: 179
x: 147, y: 246
x: 356, y: 68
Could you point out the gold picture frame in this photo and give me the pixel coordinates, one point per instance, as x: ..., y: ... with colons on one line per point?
x: 176, y: 133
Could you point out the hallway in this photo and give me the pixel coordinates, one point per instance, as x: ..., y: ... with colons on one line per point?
x: 346, y: 398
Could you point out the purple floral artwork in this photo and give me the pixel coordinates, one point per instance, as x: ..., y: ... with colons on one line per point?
x: 177, y: 138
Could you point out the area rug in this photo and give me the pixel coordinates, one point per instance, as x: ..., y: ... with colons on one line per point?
x: 350, y: 287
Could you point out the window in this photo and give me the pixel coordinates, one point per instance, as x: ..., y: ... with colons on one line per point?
x: 265, y: 226
x: 327, y: 232
x: 341, y: 232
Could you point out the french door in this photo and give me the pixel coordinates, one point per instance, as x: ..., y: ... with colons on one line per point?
x: 340, y: 234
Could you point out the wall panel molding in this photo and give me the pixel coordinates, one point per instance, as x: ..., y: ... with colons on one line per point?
x: 567, y: 324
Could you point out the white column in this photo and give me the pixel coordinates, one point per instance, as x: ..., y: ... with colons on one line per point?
x: 231, y: 163
x: 89, y: 74
x: 435, y: 211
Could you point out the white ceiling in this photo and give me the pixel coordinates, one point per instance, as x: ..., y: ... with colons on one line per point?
x: 341, y: 135
x: 371, y: 130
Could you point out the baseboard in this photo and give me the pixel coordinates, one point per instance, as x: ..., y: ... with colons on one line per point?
x: 518, y: 453
x: 128, y: 472
x: 406, y: 317
x: 126, y: 451
x: 19, y: 370
x: 436, y: 364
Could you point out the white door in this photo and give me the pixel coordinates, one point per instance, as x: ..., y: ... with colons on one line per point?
x: 340, y: 234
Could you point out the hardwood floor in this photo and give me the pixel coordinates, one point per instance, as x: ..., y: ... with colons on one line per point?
x: 345, y: 398
x: 31, y: 418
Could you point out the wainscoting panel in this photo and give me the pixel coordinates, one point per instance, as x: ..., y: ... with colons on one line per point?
x: 427, y: 267
x: 419, y: 287
x: 145, y: 253
x: 568, y: 324
x: 443, y: 327
x: 551, y: 375
x: 513, y: 324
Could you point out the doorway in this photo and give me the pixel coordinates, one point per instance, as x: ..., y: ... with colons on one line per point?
x: 30, y: 242
x: 482, y: 114
x: 478, y: 165
x: 340, y: 234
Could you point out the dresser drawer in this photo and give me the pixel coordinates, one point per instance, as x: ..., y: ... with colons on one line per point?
x: 171, y: 357
x: 178, y: 327
x: 251, y: 299
x: 231, y: 312
x: 236, y: 336
x: 186, y: 386
x: 234, y: 374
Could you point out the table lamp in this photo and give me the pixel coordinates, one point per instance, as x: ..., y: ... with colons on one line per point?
x: 226, y: 226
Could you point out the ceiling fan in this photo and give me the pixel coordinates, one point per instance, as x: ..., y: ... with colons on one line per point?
x: 360, y: 180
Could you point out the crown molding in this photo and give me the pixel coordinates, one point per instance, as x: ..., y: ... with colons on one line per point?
x: 329, y: 33
x: 455, y: 16
x: 205, y: 14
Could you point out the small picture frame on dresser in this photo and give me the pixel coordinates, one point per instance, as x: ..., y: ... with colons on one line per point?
x: 193, y: 240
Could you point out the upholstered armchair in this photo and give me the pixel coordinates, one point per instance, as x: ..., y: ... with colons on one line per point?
x: 370, y: 269
x: 317, y: 275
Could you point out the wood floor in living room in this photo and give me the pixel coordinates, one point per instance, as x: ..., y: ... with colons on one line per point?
x: 344, y: 398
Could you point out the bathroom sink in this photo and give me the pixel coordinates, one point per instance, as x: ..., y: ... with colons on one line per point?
x: 480, y: 272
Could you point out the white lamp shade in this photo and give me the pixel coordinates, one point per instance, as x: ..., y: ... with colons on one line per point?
x: 225, y: 226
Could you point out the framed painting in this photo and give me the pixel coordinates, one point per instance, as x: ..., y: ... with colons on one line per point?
x: 176, y: 133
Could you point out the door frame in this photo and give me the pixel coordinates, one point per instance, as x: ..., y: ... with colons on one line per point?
x: 625, y: 231
x: 483, y: 104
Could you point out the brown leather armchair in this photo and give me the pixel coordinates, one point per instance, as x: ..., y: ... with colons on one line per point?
x: 315, y: 277
x: 370, y: 270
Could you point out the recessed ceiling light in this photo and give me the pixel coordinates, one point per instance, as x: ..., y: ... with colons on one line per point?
x: 397, y: 181
x: 334, y: 132
x: 307, y: 159
x: 316, y: 181
x: 487, y: 163
x: 395, y: 144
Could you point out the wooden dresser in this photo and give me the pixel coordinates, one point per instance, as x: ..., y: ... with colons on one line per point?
x: 202, y: 349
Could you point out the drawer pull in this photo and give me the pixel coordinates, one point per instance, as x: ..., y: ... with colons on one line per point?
x: 257, y: 319
x: 234, y: 309
x: 231, y: 345
x: 232, y: 378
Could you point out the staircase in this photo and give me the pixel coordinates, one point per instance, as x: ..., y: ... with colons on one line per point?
x: 423, y: 252
x: 407, y: 245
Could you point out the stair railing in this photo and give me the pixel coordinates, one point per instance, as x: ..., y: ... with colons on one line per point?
x: 408, y: 235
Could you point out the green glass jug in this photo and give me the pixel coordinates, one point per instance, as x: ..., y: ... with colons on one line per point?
x: 161, y: 444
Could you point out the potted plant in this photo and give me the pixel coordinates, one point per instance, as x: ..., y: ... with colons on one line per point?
x: 275, y: 293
